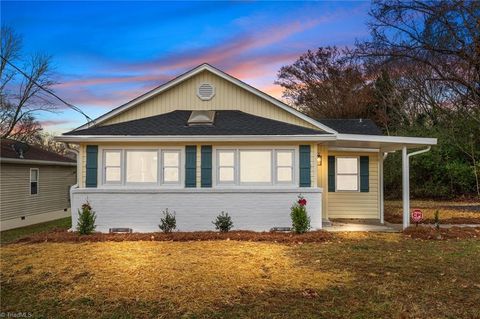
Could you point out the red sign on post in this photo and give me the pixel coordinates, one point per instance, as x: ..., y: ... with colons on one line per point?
x: 417, y: 216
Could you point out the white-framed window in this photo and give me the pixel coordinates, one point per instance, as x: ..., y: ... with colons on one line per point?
x: 112, y: 168
x: 226, y: 166
x: 171, y: 166
x: 284, y: 166
x: 255, y: 166
x: 34, y: 177
x: 347, y: 173
x: 141, y: 166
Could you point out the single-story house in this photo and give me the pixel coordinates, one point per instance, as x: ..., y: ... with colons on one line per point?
x: 206, y: 142
x: 34, y: 184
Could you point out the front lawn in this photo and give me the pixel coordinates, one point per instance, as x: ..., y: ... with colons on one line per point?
x: 352, y: 275
x: 451, y: 212
x: 12, y: 235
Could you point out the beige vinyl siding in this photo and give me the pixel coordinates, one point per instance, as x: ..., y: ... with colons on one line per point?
x: 352, y: 204
x: 53, y: 189
x: 228, y: 96
x: 82, y: 155
x: 83, y: 158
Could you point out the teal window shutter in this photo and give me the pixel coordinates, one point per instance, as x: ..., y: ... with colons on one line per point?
x: 191, y: 166
x: 364, y: 174
x: 91, y: 166
x: 331, y: 173
x: 206, y: 171
x: 305, y: 177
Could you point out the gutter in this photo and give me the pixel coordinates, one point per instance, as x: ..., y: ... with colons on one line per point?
x: 192, y: 138
x: 73, y: 187
x: 77, y: 157
x: 419, y: 152
x: 39, y: 162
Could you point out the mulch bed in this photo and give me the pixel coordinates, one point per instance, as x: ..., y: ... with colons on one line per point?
x: 425, y: 232
x: 398, y: 219
x: 60, y: 236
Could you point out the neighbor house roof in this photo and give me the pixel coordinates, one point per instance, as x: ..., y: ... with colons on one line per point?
x: 32, y: 155
x: 352, y: 126
x: 226, y: 122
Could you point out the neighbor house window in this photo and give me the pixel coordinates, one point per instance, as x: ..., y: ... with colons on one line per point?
x: 347, y: 173
x: 34, y: 181
x: 141, y: 166
x: 284, y: 166
x: 113, y: 166
x: 255, y: 166
x: 171, y: 167
x: 226, y: 166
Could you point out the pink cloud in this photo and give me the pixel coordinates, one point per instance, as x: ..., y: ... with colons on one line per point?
x: 239, y: 57
x: 274, y: 90
x: 225, y: 53
x: 54, y: 122
x: 114, y: 79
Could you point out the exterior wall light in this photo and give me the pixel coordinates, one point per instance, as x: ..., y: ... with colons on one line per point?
x: 319, y: 160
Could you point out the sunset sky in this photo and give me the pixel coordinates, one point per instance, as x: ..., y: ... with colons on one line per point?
x: 106, y: 53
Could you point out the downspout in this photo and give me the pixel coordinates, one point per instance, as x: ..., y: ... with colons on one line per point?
x: 406, y: 182
x: 77, y: 156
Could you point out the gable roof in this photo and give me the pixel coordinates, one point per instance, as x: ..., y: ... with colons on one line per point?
x: 353, y: 126
x: 221, y: 74
x: 226, y: 122
x: 34, y: 153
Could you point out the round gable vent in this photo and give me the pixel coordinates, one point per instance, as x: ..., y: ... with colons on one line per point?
x: 206, y: 91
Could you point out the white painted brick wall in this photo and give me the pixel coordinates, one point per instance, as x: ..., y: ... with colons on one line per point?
x: 141, y: 209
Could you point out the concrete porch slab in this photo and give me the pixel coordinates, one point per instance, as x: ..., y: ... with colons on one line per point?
x: 343, y: 227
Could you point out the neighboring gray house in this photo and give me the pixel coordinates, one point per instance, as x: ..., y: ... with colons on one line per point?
x: 34, y: 185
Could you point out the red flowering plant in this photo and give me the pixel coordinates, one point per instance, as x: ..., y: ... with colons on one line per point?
x: 301, y: 201
x: 300, y: 218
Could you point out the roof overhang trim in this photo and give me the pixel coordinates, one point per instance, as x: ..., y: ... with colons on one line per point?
x: 38, y: 162
x: 192, y: 138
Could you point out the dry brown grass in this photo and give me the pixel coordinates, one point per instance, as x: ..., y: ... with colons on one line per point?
x: 353, y: 275
x: 193, y: 276
x: 451, y: 212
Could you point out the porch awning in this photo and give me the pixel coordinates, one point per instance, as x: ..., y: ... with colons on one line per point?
x: 380, y: 142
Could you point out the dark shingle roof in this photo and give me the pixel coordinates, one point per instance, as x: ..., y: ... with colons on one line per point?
x: 175, y: 123
x: 352, y: 126
x: 33, y: 153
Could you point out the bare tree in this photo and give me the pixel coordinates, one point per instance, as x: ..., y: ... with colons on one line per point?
x: 47, y: 142
x: 441, y: 36
x: 21, y: 97
x: 325, y: 84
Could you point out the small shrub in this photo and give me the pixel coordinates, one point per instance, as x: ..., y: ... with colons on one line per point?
x: 86, y: 220
x: 300, y: 218
x: 436, y: 219
x: 223, y: 223
x: 168, y: 223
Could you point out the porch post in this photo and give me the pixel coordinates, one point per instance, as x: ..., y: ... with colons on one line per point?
x: 405, y: 188
x: 380, y: 168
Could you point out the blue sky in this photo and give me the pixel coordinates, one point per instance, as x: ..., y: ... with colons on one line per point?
x: 106, y: 53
